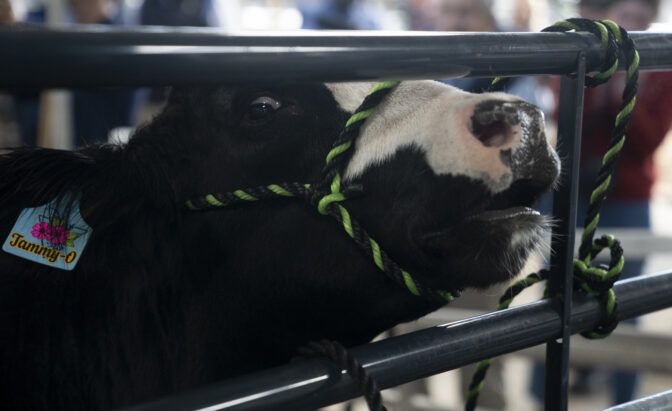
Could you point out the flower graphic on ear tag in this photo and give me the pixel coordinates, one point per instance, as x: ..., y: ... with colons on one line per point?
x: 56, y: 232
x: 41, y: 230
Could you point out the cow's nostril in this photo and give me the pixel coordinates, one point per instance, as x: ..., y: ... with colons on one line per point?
x: 494, y: 134
x: 495, y: 122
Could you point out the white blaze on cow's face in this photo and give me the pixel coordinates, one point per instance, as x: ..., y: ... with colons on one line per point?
x: 493, y: 137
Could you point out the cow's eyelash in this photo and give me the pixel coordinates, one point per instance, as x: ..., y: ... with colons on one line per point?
x: 275, y: 103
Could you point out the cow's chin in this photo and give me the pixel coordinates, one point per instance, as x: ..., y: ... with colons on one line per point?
x: 486, y: 248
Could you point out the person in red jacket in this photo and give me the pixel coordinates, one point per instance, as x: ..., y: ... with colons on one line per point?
x: 650, y: 122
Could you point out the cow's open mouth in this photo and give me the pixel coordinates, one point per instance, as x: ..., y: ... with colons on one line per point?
x: 495, y: 223
x: 505, y: 214
x: 487, y: 247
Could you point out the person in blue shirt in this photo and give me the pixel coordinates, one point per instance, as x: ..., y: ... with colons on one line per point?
x: 339, y: 15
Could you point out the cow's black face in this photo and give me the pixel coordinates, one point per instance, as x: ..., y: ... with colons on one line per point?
x: 449, y: 177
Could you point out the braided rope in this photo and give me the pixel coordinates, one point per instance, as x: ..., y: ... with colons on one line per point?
x: 344, y: 359
x: 597, y: 28
x: 590, y: 279
x: 340, y: 153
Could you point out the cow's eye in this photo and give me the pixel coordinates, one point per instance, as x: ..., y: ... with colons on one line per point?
x: 262, y: 107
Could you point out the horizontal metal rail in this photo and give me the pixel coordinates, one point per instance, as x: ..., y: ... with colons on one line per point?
x: 628, y: 348
x: 107, y: 56
x: 658, y: 402
x: 315, y: 383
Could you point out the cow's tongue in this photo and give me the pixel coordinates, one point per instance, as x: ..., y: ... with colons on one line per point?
x: 494, y: 215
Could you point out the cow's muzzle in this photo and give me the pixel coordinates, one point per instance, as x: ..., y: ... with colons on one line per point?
x: 517, y: 129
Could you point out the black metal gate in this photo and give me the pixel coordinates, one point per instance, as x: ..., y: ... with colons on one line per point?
x: 111, y: 57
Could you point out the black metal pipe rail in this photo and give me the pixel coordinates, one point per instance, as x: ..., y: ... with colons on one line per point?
x: 104, y: 56
x: 37, y: 58
x: 315, y: 383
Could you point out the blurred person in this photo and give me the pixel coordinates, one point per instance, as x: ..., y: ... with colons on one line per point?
x: 339, y: 15
x: 592, y: 9
x: 6, y: 13
x: 478, y: 16
x: 421, y: 14
x: 522, y: 16
x: 466, y: 15
x: 628, y: 202
x: 95, y: 112
x: 93, y: 11
x: 194, y: 13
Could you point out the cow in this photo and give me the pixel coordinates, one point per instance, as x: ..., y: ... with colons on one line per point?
x: 163, y: 299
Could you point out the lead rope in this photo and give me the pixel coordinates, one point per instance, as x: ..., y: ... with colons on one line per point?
x: 326, y: 196
x: 596, y: 280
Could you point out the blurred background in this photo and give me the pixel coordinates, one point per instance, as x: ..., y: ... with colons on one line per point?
x: 293, y: 14
x: 634, y: 362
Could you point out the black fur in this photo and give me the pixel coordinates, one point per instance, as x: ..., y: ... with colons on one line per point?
x: 164, y: 300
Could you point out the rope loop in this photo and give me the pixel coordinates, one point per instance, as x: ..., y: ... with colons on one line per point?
x: 609, y: 319
x: 608, y: 38
x: 599, y: 280
x: 614, y: 40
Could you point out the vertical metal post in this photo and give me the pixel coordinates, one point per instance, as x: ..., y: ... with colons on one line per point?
x: 55, y: 128
x: 564, y: 210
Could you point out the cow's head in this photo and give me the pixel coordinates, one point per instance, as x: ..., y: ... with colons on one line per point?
x: 449, y: 177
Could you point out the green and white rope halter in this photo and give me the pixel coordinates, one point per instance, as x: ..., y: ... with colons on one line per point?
x: 328, y: 194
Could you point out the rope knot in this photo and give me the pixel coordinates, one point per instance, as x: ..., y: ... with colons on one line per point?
x: 335, y: 195
x: 592, y: 279
x: 599, y: 280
